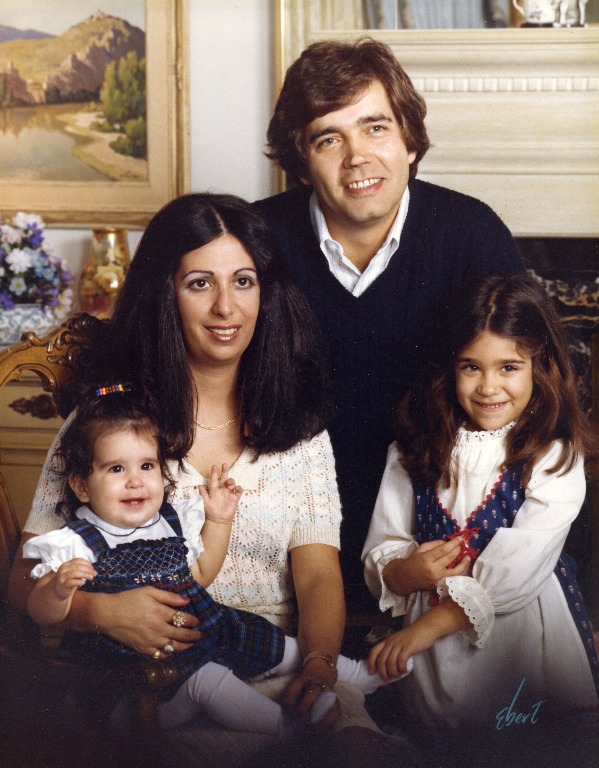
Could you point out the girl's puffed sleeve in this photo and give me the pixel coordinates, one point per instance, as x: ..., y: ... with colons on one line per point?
x: 390, y: 534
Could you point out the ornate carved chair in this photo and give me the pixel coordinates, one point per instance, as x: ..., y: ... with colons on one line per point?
x: 40, y: 683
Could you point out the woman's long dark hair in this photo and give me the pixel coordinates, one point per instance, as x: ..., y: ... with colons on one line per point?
x: 515, y: 307
x: 282, y: 386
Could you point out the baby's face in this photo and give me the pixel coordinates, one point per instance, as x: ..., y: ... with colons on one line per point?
x: 125, y: 487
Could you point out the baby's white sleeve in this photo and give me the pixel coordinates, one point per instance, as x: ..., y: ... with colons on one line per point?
x: 192, y: 517
x: 55, y: 548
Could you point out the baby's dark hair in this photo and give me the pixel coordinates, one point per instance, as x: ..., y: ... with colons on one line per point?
x: 515, y: 307
x: 128, y: 410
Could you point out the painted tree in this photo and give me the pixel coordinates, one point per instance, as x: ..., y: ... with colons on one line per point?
x: 123, y: 97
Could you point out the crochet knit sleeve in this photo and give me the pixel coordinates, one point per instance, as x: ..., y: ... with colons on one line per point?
x: 316, y: 496
x: 51, y: 489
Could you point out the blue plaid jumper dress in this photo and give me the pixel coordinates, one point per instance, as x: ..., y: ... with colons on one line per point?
x: 242, y: 641
x: 499, y: 510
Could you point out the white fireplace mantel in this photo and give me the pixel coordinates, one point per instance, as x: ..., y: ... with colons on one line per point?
x: 513, y: 115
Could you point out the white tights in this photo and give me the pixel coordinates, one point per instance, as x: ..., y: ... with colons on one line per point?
x: 214, y: 689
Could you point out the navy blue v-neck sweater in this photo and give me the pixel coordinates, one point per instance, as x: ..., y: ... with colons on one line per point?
x: 374, y: 341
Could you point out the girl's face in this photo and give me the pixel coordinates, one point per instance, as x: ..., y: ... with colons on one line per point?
x: 493, y: 381
x: 218, y: 296
x: 125, y: 487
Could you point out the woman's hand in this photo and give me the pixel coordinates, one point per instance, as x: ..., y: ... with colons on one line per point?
x: 319, y: 593
x: 425, y: 566
x: 312, y: 680
x: 141, y: 619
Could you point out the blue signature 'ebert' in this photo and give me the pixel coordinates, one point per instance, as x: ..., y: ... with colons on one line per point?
x: 510, y: 716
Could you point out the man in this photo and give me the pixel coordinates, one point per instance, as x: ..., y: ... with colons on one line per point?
x: 375, y: 250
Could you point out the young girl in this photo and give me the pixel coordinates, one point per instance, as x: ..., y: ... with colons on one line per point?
x: 122, y: 536
x: 477, y: 498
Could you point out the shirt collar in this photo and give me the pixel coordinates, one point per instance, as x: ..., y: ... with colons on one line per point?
x: 331, y: 247
x: 85, y: 513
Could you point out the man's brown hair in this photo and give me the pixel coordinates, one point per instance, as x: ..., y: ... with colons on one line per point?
x: 330, y: 75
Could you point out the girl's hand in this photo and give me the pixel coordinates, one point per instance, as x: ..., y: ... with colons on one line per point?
x: 70, y: 576
x: 432, y: 559
x: 425, y: 566
x: 220, y: 496
x: 390, y: 657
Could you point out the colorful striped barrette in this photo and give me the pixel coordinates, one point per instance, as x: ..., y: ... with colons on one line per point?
x: 112, y: 389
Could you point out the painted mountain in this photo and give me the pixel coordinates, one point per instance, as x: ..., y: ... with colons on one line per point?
x: 10, y: 33
x: 66, y: 68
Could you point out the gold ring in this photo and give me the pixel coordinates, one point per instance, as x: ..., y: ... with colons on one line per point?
x: 168, y: 649
x: 314, y: 684
x: 178, y: 619
x: 156, y: 655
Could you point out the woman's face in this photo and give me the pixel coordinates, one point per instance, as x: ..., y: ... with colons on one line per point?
x: 218, y: 297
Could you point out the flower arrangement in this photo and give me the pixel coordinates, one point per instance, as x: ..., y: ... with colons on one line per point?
x: 30, y: 273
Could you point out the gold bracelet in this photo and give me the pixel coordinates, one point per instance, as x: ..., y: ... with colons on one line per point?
x: 325, y: 657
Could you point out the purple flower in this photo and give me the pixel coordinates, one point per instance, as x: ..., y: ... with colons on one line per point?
x: 29, y: 271
x: 6, y: 301
x: 35, y: 237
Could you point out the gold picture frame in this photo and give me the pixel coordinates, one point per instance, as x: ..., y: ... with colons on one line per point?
x: 75, y: 204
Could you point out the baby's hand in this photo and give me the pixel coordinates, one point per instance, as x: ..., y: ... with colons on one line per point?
x: 72, y: 575
x: 220, y: 496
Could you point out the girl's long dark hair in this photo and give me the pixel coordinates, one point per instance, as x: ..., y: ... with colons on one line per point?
x: 515, y: 307
x: 282, y: 386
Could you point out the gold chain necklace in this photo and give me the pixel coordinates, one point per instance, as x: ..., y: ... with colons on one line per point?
x: 218, y: 426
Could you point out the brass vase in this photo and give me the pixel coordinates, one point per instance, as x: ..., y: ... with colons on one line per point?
x: 104, y: 273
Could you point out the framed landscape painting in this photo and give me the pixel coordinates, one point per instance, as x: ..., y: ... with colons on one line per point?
x: 93, y: 109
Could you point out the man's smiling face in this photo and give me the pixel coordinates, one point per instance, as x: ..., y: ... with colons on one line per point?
x: 358, y: 163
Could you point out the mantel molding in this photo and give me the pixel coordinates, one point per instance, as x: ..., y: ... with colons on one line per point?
x: 502, y: 84
x: 513, y: 114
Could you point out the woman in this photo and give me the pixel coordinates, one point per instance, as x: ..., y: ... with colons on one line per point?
x: 209, y: 322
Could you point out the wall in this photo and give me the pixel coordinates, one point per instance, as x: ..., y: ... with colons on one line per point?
x: 231, y: 83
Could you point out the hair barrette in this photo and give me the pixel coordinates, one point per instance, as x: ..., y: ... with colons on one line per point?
x: 112, y: 389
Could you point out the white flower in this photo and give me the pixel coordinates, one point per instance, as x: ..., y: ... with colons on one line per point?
x: 25, y: 220
x: 19, y: 261
x: 30, y: 271
x: 65, y: 300
x: 10, y: 235
x: 18, y: 286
